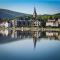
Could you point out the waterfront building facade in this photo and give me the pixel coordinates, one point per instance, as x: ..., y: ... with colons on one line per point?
x: 4, y: 24
x: 52, y: 23
x: 27, y: 23
x: 23, y: 23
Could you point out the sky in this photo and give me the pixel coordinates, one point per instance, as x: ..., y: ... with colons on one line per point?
x: 27, y: 6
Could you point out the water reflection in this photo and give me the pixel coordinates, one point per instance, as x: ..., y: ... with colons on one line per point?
x: 13, y: 35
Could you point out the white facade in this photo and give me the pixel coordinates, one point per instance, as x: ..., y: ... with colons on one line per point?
x: 59, y: 21
x: 37, y: 23
x: 52, y: 23
x: 4, y: 24
x: 49, y: 23
x: 13, y: 23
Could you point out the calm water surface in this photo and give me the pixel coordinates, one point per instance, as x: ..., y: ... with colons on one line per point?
x: 27, y: 45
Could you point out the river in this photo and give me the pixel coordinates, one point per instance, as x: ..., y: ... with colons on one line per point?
x: 29, y: 45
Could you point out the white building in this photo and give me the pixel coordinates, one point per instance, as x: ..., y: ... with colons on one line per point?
x: 1, y: 24
x: 52, y: 23
x: 4, y: 24
x: 37, y: 23
x: 59, y: 21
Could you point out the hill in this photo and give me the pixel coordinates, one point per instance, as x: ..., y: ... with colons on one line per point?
x: 4, y: 13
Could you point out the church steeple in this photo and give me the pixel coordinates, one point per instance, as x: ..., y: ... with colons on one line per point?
x: 34, y: 14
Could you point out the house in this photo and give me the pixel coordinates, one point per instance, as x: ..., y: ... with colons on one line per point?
x: 12, y: 23
x: 37, y: 23
x: 23, y: 23
x: 52, y: 23
x: 1, y: 24
x: 4, y: 24
x: 59, y: 22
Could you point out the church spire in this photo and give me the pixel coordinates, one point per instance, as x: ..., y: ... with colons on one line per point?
x: 34, y: 14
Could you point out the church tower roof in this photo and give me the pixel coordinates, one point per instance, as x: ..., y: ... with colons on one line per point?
x: 34, y: 13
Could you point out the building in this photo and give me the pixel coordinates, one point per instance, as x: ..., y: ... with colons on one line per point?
x: 4, y: 24
x: 34, y: 14
x: 35, y: 21
x: 23, y: 23
x: 59, y: 22
x: 26, y: 23
x: 1, y: 24
x: 52, y: 23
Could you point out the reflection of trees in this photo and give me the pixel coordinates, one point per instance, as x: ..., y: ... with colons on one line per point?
x: 36, y: 35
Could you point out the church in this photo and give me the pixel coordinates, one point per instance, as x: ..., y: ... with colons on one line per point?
x: 27, y: 23
x: 36, y: 22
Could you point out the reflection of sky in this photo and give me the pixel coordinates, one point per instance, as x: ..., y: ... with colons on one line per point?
x: 26, y: 6
x: 45, y: 49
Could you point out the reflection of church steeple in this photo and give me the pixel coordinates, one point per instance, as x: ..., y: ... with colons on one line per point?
x: 34, y: 38
x: 34, y: 41
x: 34, y: 14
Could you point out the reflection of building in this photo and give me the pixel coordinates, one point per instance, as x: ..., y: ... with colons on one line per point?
x: 52, y: 35
x: 59, y: 36
x: 36, y: 35
x: 20, y: 34
x: 4, y: 32
x: 26, y: 34
x: 13, y: 35
x: 34, y: 41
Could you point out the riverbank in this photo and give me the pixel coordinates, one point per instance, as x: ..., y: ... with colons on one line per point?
x: 32, y: 29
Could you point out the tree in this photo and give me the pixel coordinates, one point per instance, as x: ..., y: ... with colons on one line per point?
x: 5, y: 19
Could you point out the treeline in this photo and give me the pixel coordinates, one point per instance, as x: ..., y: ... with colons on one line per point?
x: 39, y: 17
